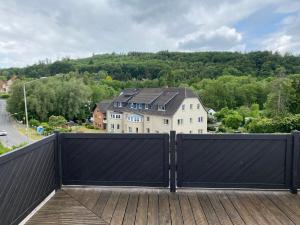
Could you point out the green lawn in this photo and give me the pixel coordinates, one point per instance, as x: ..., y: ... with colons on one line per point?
x: 3, y: 149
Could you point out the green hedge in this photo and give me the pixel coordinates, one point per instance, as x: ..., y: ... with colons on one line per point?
x: 275, y: 125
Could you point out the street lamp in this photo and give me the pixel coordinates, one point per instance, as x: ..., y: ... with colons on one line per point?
x: 25, y: 103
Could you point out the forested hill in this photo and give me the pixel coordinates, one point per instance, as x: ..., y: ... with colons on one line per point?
x: 187, y: 66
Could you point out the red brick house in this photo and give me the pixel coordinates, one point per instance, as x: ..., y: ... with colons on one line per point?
x: 99, y: 114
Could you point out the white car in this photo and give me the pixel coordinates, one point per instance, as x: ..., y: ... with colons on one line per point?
x: 3, y: 133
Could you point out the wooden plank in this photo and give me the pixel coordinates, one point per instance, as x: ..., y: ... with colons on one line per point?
x: 142, y: 208
x: 110, y: 207
x: 275, y: 210
x: 268, y: 215
x: 208, y: 209
x: 187, y: 213
x: 92, y: 199
x: 118, y: 216
x: 131, y: 209
x: 230, y: 209
x: 101, y: 202
x: 164, y: 209
x: 290, y: 200
x: 63, y: 209
x: 175, y: 210
x: 197, y: 210
x: 241, y: 209
x: 253, y: 210
x: 220, y: 211
x: 284, y: 208
x: 153, y: 209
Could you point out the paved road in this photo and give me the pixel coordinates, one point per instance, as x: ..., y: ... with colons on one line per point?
x: 6, y: 123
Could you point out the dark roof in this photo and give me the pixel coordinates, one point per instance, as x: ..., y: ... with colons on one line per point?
x: 165, y: 98
x: 103, y: 105
x: 171, y: 97
x: 146, y: 95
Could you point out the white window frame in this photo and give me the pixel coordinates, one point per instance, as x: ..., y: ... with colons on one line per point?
x: 180, y: 122
x: 166, y: 121
x: 161, y: 108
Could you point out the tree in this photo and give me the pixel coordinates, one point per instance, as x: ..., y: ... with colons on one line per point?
x: 233, y: 120
x: 294, y: 106
x: 278, y: 101
x: 57, y: 121
x: 254, y: 110
x: 68, y: 97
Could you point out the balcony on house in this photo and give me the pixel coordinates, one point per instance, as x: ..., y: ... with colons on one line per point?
x: 152, y: 179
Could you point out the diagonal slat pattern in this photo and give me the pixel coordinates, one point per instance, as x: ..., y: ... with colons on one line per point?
x: 27, y: 176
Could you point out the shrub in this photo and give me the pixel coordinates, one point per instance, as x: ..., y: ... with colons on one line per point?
x: 283, y: 125
x: 47, y: 128
x: 34, y: 123
x: 4, y: 95
x: 233, y: 120
x: 222, y: 129
x: 89, y: 126
x: 57, y: 121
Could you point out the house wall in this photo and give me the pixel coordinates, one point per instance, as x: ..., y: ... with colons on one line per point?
x: 2, y: 86
x: 194, y: 127
x: 114, y: 125
x: 98, y: 119
x: 156, y: 123
x: 136, y: 127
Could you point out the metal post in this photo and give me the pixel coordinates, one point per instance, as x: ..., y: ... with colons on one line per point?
x: 296, y: 161
x: 58, y: 167
x: 173, y: 161
x: 26, y: 113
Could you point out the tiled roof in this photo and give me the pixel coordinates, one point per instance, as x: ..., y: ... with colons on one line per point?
x: 103, y: 105
x: 171, y: 97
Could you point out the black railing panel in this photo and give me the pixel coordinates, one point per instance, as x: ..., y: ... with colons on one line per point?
x: 27, y: 177
x: 296, y: 160
x: 235, y: 161
x: 115, y: 159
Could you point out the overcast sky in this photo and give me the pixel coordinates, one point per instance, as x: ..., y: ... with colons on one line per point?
x: 33, y: 30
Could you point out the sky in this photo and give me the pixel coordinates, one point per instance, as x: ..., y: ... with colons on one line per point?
x: 34, y: 30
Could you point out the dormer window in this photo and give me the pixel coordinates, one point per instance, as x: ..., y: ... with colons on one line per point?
x: 161, y: 108
x: 133, y: 106
x: 146, y: 106
x: 119, y: 104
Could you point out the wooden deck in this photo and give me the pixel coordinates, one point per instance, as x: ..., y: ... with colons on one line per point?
x: 117, y: 206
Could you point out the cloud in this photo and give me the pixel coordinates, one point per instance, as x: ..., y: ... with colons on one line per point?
x: 287, y: 39
x: 33, y: 30
x: 223, y: 38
